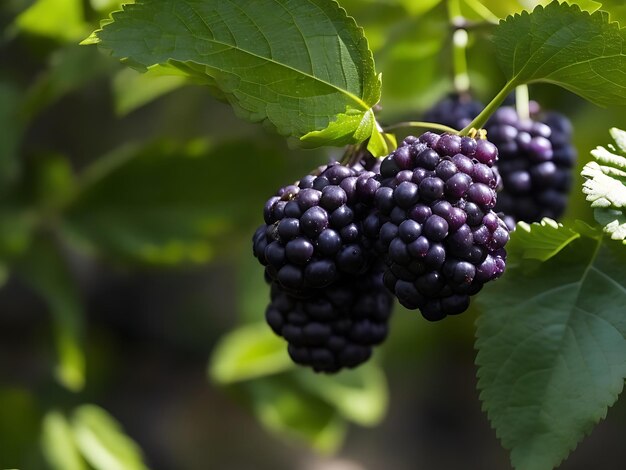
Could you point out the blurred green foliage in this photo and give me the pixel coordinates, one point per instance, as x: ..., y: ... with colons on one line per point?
x: 145, y: 172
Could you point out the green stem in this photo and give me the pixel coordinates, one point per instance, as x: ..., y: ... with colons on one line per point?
x: 521, y: 102
x: 421, y: 125
x: 495, y: 103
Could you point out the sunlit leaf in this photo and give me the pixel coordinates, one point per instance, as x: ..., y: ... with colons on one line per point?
x: 605, y: 185
x: 563, y: 45
x: 102, y: 441
x: 293, y: 413
x: 302, y: 68
x: 58, y: 445
x: 540, y: 240
x: 248, y: 352
x: 360, y: 394
x: 59, y: 19
x: 132, y: 89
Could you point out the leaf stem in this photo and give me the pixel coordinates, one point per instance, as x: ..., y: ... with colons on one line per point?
x: 495, y: 103
x: 420, y: 125
x: 521, y: 102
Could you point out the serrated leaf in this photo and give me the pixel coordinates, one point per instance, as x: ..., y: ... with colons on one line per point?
x: 43, y: 268
x: 563, y: 45
x: 102, y: 441
x: 359, y: 395
x: 540, y: 240
x: 58, y: 445
x: 605, y: 186
x: 292, y: 412
x: 298, y: 68
x: 552, y: 350
x: 248, y: 352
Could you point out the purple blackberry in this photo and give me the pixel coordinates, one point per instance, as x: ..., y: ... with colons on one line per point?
x: 434, y: 224
x: 332, y: 328
x: 313, y: 229
x: 536, y: 161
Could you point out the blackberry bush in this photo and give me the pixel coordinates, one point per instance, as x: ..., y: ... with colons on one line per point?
x: 435, y: 226
x: 336, y: 327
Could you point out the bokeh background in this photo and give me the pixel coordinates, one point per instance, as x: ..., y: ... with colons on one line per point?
x: 131, y: 309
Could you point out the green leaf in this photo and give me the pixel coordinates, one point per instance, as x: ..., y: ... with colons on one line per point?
x: 248, y: 352
x: 294, y: 413
x: 62, y: 20
x: 359, y: 395
x: 102, y: 441
x: 305, y: 67
x: 44, y: 269
x: 58, y: 445
x: 167, y: 203
x: 132, y: 89
x: 552, y: 350
x: 604, y: 185
x: 563, y: 45
x: 540, y: 240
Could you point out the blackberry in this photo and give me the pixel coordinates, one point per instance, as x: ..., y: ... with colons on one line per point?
x: 312, y: 234
x: 434, y: 224
x: 536, y: 161
x: 332, y: 328
x: 456, y: 111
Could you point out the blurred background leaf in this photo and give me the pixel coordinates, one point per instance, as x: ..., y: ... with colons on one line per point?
x: 102, y: 441
x: 58, y: 444
x: 44, y: 269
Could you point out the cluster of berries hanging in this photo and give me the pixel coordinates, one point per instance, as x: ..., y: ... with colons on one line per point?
x: 536, y: 156
x: 427, y: 224
x: 338, y: 245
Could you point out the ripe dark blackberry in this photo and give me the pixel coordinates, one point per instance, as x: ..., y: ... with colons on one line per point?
x: 332, y: 328
x: 536, y: 161
x: 312, y: 234
x: 456, y: 111
x: 434, y: 225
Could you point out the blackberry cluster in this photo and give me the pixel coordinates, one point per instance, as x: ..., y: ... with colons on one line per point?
x: 536, y: 161
x: 332, y: 328
x: 327, y: 296
x: 536, y: 156
x: 418, y: 224
x: 312, y: 234
x: 434, y: 226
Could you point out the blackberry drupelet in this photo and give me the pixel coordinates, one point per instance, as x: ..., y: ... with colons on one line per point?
x: 312, y: 234
x: 434, y: 225
x: 336, y: 327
